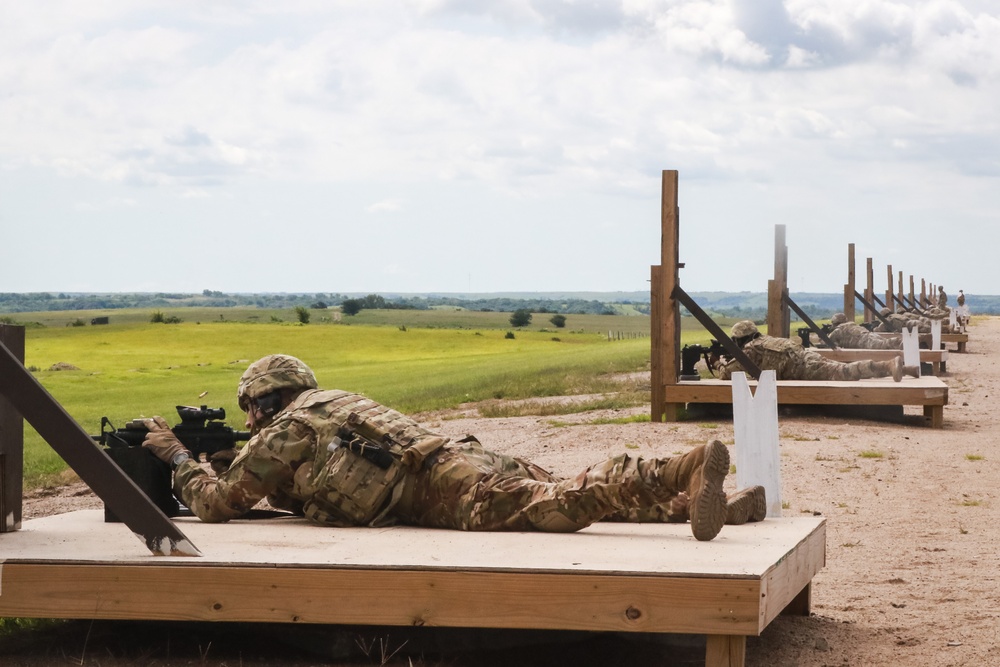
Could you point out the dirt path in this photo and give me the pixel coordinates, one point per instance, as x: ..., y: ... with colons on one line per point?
x: 913, y: 554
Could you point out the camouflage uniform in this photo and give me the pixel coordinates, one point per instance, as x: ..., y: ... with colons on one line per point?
x: 854, y: 336
x: 790, y: 361
x: 293, y: 462
x: 902, y: 320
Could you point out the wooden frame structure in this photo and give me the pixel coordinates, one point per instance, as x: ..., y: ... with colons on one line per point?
x: 29, y: 399
x: 610, y: 577
x: 670, y: 395
x: 935, y: 360
x: 959, y: 339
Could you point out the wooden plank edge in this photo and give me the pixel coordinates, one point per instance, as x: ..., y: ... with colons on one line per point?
x: 640, y: 603
x: 786, y: 580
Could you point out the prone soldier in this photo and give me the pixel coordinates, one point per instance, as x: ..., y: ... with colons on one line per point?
x: 790, y: 361
x: 340, y: 459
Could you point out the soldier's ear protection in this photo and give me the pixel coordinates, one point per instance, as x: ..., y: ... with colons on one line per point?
x: 269, y: 404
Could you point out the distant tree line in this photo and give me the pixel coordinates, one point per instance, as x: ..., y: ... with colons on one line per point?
x: 45, y: 301
x: 743, y: 305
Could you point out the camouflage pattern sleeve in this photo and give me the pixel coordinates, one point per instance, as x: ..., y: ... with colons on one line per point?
x: 727, y: 367
x: 265, y: 467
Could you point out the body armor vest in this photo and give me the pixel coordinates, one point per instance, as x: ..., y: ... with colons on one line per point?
x: 363, y: 450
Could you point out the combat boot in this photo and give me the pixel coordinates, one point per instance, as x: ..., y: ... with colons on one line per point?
x: 750, y: 504
x: 700, y: 473
x: 897, y: 369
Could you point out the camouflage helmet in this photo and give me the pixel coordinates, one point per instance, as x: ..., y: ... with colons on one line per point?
x: 838, y: 318
x: 271, y: 373
x: 743, y: 328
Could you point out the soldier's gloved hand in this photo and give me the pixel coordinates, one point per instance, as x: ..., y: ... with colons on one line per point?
x: 161, y: 440
x: 221, y: 460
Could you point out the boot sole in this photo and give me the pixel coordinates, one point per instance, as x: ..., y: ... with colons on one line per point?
x: 750, y: 506
x: 708, y: 510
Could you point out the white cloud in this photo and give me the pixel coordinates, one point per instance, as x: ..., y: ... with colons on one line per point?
x: 532, y: 102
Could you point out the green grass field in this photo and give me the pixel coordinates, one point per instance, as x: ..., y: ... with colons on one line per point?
x: 412, y: 360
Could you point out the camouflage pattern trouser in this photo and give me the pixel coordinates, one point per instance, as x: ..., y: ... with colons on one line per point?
x: 468, y: 487
x: 815, y: 366
x: 860, y: 339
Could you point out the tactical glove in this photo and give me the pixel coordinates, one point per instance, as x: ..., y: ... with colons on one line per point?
x: 161, y: 440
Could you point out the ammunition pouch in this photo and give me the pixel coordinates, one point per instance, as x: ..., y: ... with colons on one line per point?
x: 358, y: 482
x: 352, y: 489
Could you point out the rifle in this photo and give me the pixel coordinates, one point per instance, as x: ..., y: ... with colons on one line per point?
x: 804, y: 334
x: 201, y: 430
x: 692, y: 352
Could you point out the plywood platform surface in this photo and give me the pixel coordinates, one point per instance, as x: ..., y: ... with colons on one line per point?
x: 82, y: 537
x: 852, y: 354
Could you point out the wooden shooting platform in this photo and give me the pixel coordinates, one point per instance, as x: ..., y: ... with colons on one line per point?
x: 936, y: 359
x: 959, y: 339
x: 928, y: 392
x: 609, y: 577
x: 670, y: 395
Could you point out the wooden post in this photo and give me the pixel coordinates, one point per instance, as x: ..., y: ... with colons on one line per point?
x: 870, y: 291
x: 899, y: 287
x: 658, y: 397
x: 923, y: 293
x: 11, y: 442
x: 849, y: 289
x: 888, y: 288
x: 779, y: 321
x: 913, y: 298
x: 668, y: 319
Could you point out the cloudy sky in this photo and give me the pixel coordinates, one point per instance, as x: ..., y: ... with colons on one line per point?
x: 487, y: 146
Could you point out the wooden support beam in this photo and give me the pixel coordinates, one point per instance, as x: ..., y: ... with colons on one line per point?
x: 657, y: 350
x: 94, y: 467
x: 666, y: 318
x: 888, y: 287
x: 869, y: 291
x: 779, y: 321
x: 725, y: 651
x: 850, y: 287
x: 11, y: 442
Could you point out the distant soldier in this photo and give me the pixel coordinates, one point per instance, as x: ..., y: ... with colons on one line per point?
x: 962, y: 314
x: 902, y: 320
x: 790, y: 361
x: 942, y: 300
x: 852, y: 336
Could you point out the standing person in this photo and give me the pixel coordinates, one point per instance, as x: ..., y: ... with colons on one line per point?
x: 341, y: 459
x: 790, y: 361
